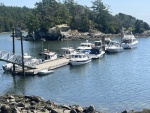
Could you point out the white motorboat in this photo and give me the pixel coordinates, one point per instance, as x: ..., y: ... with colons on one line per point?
x: 114, y: 47
x: 45, y: 72
x: 85, y: 46
x: 96, y: 53
x: 48, y: 55
x: 129, y: 41
x: 79, y: 59
x: 67, y: 51
x: 7, y: 67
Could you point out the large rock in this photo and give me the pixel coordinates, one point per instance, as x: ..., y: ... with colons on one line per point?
x: 79, y: 109
x: 67, y: 111
x: 57, y: 111
x: 73, y: 111
x: 90, y: 109
x: 21, y: 104
x: 34, y: 98
x: 15, y: 110
x: 66, y: 107
x: 5, y: 109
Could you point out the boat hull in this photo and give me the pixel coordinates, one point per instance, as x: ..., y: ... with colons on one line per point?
x: 45, y: 72
x: 129, y: 45
x: 7, y: 67
x: 114, y: 50
x: 79, y: 62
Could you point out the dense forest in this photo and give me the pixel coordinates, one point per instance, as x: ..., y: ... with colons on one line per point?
x: 48, y: 13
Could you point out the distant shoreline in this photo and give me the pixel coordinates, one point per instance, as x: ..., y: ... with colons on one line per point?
x: 87, y: 37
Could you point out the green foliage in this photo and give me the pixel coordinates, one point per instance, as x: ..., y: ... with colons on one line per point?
x: 132, y: 24
x: 13, y: 16
x: 49, y: 13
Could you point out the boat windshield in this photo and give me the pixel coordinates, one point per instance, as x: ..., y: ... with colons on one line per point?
x: 78, y: 56
x: 98, y: 43
x: 85, y: 45
x: 127, y: 41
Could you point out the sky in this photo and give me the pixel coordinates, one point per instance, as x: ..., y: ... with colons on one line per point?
x: 136, y: 8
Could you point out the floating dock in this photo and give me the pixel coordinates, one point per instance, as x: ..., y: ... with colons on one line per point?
x: 53, y: 64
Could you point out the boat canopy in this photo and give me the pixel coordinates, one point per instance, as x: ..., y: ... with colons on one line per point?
x: 95, y: 51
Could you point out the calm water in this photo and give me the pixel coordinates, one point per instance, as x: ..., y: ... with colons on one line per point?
x: 112, y: 84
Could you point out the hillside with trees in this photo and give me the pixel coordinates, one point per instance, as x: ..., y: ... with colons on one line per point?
x: 49, y: 13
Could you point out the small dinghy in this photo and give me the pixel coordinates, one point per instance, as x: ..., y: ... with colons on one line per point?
x: 45, y: 72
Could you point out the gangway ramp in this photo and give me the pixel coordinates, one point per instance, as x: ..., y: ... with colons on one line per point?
x: 17, y: 59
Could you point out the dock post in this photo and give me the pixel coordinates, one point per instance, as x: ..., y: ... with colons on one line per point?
x: 103, y: 43
x: 13, y: 36
x: 22, y: 55
x: 18, y: 33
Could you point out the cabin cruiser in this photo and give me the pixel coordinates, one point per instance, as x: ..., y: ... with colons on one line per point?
x: 129, y: 41
x: 79, y: 59
x: 85, y: 46
x: 67, y: 51
x: 96, y: 53
x: 48, y: 55
x: 114, y: 47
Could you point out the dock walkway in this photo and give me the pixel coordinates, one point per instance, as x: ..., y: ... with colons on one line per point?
x: 47, y: 65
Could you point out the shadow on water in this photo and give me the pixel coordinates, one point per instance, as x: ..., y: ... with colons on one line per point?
x: 17, y: 83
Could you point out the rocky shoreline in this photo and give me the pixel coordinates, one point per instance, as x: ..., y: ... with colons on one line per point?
x: 11, y: 103
x: 34, y: 104
x: 75, y: 35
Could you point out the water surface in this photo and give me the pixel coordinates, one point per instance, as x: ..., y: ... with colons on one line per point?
x: 112, y: 84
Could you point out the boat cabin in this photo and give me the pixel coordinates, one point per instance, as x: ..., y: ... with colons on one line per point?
x: 67, y: 51
x: 77, y: 56
x: 98, y: 43
x: 86, y: 45
x: 128, y: 40
x: 48, y: 55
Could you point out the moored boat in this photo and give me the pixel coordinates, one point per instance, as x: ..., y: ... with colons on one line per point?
x: 79, y: 59
x: 96, y: 53
x: 114, y: 47
x: 48, y: 55
x: 67, y: 51
x: 129, y: 41
x: 7, y: 67
x: 45, y: 72
x: 85, y: 46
